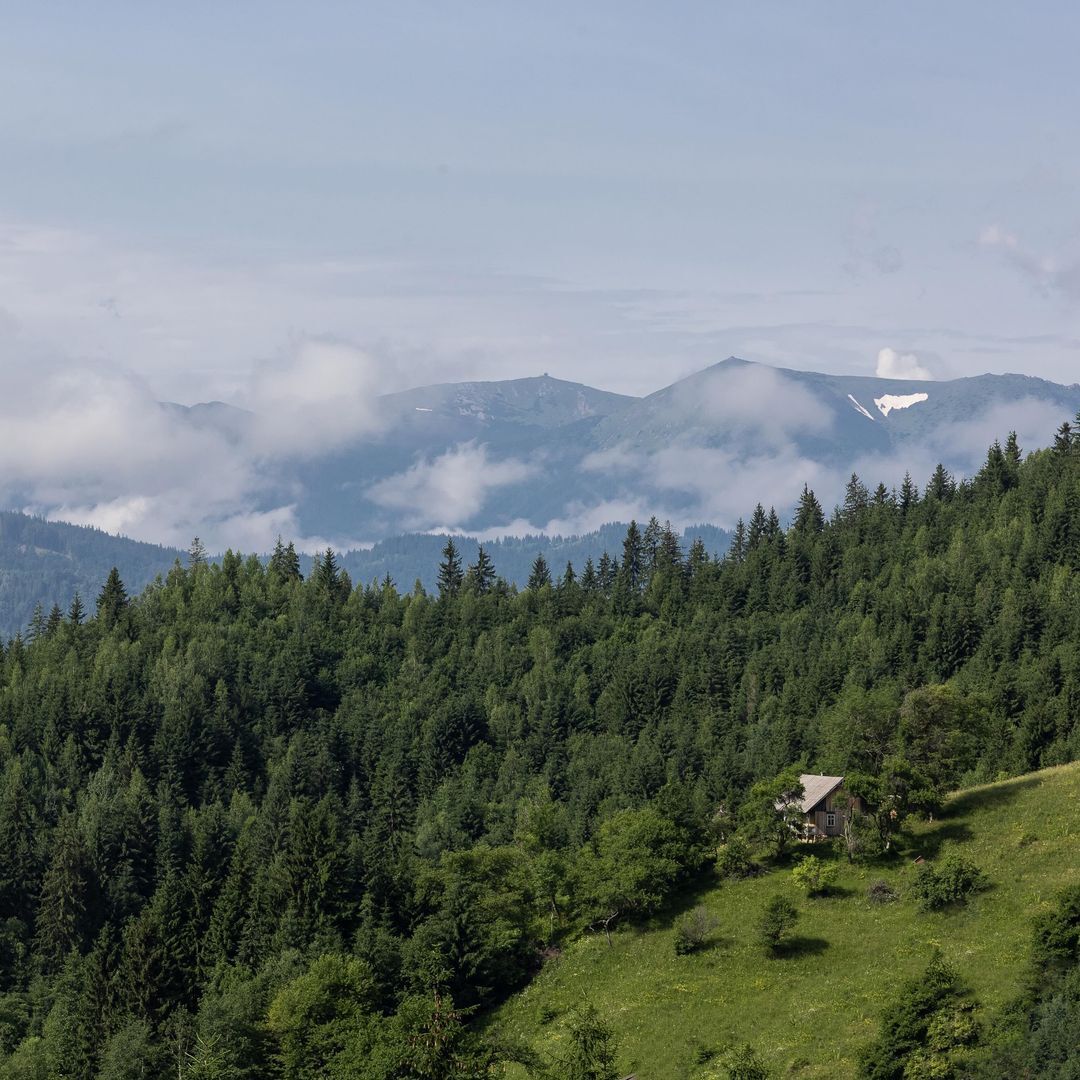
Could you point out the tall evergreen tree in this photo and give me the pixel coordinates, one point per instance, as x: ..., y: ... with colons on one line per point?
x: 481, y: 574
x: 112, y: 600
x: 450, y: 575
x: 76, y: 612
x: 540, y: 575
x: 809, y: 517
x: 633, y: 560
x: 284, y: 562
x: 197, y: 554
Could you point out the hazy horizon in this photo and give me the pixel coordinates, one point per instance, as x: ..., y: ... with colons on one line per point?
x: 298, y: 210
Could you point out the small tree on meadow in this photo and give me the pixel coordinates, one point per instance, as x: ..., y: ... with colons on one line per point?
x: 591, y: 1054
x: 776, y: 922
x: 694, y: 929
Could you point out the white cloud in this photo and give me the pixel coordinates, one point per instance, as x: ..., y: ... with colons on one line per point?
x: 444, y: 492
x: 894, y: 365
x: 320, y: 395
x: 753, y: 398
x: 90, y: 443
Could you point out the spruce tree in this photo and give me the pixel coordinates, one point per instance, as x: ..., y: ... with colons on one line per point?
x: 1063, y: 440
x: 633, y: 560
x: 196, y: 554
x: 77, y: 612
x: 450, y: 576
x: 809, y: 517
x: 284, y: 562
x: 540, y: 575
x: 112, y: 600
x: 909, y: 493
x: 482, y: 572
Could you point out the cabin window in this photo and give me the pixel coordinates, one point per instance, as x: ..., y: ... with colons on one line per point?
x: 830, y: 820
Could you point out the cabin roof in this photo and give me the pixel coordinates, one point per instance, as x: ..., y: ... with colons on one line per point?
x: 815, y: 788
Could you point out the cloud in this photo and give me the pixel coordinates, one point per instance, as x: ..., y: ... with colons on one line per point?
x: 751, y: 398
x: 447, y: 491
x: 320, y: 395
x: 1048, y: 274
x: 894, y: 365
x: 689, y: 483
x: 90, y: 443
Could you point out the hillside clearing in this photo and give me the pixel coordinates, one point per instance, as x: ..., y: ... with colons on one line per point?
x: 808, y: 1011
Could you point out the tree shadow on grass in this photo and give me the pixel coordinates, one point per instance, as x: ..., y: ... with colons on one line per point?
x: 929, y: 844
x: 800, y: 946
x: 988, y: 798
x: 833, y: 892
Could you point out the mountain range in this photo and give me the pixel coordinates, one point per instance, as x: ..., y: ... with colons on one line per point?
x: 541, y: 455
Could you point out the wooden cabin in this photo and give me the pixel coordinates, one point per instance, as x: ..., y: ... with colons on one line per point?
x: 825, y: 806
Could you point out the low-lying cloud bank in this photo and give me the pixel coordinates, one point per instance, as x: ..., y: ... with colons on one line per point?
x: 91, y: 444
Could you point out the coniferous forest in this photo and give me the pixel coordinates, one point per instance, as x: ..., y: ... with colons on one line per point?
x: 260, y: 824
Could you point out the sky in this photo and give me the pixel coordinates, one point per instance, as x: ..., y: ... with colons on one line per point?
x: 615, y: 193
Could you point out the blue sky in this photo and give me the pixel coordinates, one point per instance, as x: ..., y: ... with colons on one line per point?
x: 615, y: 193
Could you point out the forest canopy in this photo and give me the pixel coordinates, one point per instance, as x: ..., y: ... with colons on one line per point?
x: 254, y: 823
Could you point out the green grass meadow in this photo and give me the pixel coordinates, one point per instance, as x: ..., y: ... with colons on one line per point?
x: 808, y: 1011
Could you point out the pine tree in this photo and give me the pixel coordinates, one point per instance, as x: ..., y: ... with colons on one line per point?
x: 450, y: 576
x: 284, y: 562
x: 197, y: 554
x: 36, y: 629
x: 941, y: 486
x: 909, y: 493
x: 482, y: 572
x: 650, y: 545
x: 1063, y: 440
x: 62, y: 906
x: 856, y: 497
x: 739, y: 542
x: 669, y: 554
x: 756, y: 533
x: 329, y: 580
x: 77, y: 612
x: 112, y: 600
x: 540, y: 575
x: 633, y: 568
x: 588, y: 577
x: 698, y: 557
x: 809, y: 517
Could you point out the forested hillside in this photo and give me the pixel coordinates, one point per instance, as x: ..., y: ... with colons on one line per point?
x: 47, y: 562
x: 259, y: 824
x: 43, y: 563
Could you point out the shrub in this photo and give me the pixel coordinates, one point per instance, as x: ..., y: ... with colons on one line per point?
x: 694, y: 930
x: 952, y: 882
x: 925, y: 1031
x: 779, y: 916
x: 734, y: 860
x: 814, y: 876
x: 744, y: 1064
x: 881, y: 892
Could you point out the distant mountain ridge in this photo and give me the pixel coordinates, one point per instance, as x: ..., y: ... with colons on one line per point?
x: 549, y: 454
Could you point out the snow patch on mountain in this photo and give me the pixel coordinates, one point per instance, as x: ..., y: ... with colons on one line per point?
x: 851, y: 398
x: 888, y: 402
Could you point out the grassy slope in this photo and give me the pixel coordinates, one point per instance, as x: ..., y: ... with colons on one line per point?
x: 808, y: 1012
